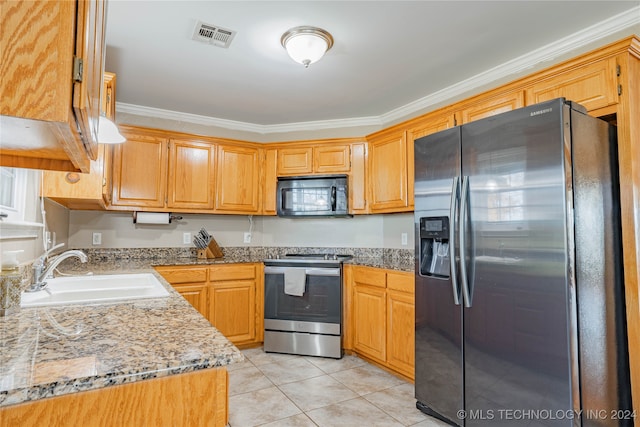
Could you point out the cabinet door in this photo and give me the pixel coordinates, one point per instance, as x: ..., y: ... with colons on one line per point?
x: 191, y: 283
x: 401, y: 332
x: 295, y: 161
x: 357, y: 182
x: 387, y: 176
x: 238, y: 176
x: 232, y: 310
x: 140, y: 171
x: 196, y: 294
x: 592, y: 86
x: 493, y: 106
x: 90, y: 43
x: 369, y: 321
x: 331, y: 159
x: 86, y: 191
x: 270, y: 181
x: 191, y: 175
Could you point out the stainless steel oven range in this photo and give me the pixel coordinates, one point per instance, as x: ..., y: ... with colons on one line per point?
x: 303, y: 304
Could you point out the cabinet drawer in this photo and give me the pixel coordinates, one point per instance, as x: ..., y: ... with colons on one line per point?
x: 369, y: 276
x: 187, y: 275
x: 232, y: 272
x: 400, y: 281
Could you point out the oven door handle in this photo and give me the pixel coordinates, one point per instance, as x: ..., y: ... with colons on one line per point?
x: 307, y: 271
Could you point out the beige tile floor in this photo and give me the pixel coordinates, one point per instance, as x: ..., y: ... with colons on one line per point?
x: 270, y: 389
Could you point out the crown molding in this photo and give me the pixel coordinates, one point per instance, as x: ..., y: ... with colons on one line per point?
x: 546, y: 53
x: 159, y: 113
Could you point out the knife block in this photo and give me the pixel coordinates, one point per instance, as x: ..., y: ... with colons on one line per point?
x: 211, y: 251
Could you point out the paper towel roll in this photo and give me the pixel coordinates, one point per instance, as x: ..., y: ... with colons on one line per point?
x: 151, y: 217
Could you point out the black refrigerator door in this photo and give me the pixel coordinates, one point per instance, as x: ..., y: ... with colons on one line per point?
x: 439, y: 366
x: 517, y: 323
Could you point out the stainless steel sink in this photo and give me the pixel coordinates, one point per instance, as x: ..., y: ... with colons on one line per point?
x: 95, y: 289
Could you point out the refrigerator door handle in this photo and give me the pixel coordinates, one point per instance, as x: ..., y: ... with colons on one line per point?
x: 466, y: 295
x: 452, y: 237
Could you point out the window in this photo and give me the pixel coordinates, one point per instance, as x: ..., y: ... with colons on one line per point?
x: 18, y: 203
x: 13, y: 186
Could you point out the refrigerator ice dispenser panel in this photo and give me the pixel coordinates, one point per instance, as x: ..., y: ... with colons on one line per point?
x: 434, y: 247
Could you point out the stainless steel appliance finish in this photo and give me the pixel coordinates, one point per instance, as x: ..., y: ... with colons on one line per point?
x: 310, y: 324
x: 519, y: 293
x: 313, y: 196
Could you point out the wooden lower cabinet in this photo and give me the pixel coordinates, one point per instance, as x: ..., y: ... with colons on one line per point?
x: 380, y: 321
x: 197, y: 398
x: 369, y: 317
x: 232, y: 301
x: 197, y: 294
x: 401, y: 332
x: 230, y: 296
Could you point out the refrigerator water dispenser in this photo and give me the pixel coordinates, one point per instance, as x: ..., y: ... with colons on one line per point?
x: 434, y: 247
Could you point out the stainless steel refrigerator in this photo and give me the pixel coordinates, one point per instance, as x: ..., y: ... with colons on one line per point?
x: 519, y: 292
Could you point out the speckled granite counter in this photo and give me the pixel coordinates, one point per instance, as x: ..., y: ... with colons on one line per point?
x: 54, y: 351
x: 391, y: 259
x: 66, y: 349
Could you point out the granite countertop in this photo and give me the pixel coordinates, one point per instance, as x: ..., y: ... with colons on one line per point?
x: 52, y: 351
x: 58, y: 350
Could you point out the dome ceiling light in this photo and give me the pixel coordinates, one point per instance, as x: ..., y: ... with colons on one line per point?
x: 306, y: 45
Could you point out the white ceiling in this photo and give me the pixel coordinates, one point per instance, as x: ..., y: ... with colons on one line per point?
x: 387, y: 54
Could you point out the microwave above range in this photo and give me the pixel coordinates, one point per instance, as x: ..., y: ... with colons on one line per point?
x: 313, y: 196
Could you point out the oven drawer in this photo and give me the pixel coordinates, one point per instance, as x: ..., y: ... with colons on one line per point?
x: 303, y: 344
x: 295, y: 326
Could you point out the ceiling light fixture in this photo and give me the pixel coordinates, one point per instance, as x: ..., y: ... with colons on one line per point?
x: 108, y: 132
x: 306, y: 45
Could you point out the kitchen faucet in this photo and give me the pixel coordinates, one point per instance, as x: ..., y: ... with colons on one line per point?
x: 42, y: 272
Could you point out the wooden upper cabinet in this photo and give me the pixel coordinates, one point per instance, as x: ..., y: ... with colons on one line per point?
x: 191, y: 175
x: 86, y: 91
x: 326, y: 158
x: 269, y: 181
x: 492, y: 106
x: 357, y: 179
x: 332, y: 158
x: 295, y: 161
x: 90, y: 191
x: 238, y: 180
x: 592, y: 86
x: 50, y: 113
x: 387, y: 175
x: 140, y: 171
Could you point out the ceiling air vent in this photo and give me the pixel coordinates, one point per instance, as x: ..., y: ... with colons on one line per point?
x: 212, y: 34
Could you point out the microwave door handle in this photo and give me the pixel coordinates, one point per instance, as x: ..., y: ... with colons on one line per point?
x: 333, y: 198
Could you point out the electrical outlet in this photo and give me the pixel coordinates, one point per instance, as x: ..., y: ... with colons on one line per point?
x: 247, y: 237
x: 186, y: 238
x: 403, y: 238
x: 97, y: 239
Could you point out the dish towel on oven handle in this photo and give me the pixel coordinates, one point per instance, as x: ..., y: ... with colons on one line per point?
x: 294, y: 281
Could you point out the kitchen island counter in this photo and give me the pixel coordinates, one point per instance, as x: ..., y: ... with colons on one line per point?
x: 59, y: 350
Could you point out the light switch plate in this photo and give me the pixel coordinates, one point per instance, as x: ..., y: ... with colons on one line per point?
x: 186, y: 238
x: 403, y: 238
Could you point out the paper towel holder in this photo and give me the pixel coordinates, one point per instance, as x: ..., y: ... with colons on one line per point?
x: 154, y: 217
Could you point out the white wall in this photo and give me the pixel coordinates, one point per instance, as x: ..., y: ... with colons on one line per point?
x: 364, y: 231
